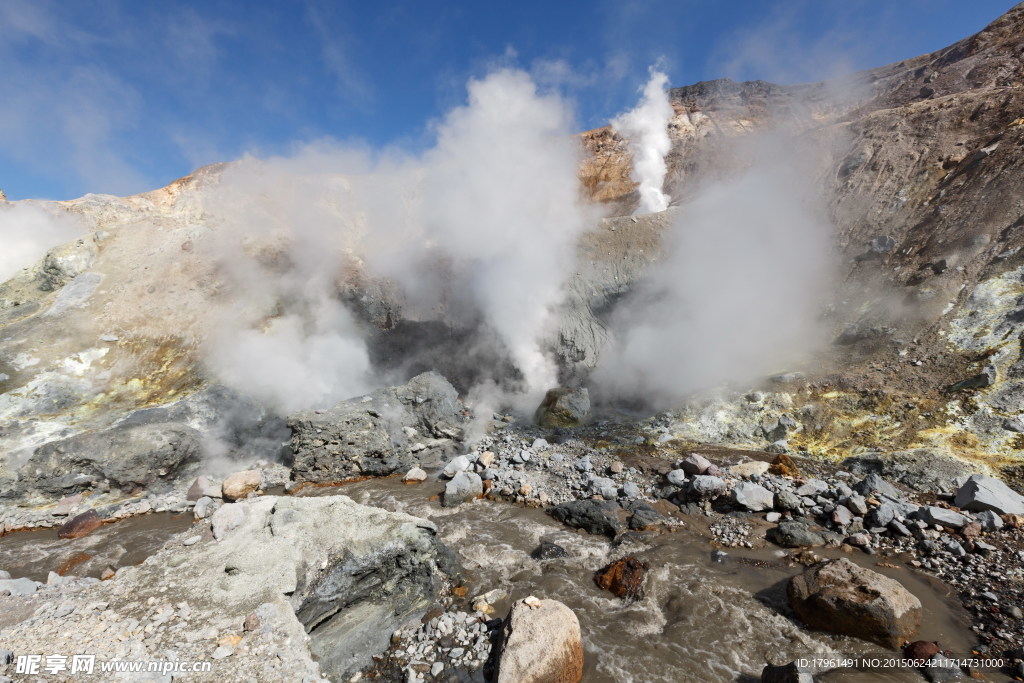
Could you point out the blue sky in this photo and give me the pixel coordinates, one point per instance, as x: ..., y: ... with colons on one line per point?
x: 122, y: 97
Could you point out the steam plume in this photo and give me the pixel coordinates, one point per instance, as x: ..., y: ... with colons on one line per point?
x: 646, y: 128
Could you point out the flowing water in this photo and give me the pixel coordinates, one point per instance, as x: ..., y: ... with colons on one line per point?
x: 699, y: 619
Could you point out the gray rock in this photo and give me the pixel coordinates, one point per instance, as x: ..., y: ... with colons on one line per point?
x: 787, y: 500
x: 985, y: 378
x: 941, y: 668
x: 463, y: 486
x: 812, y: 488
x: 131, y: 456
x: 706, y: 487
x: 986, y: 493
x: 4, y: 575
x: 630, y: 490
x: 989, y: 520
x: 227, y: 518
x: 922, y: 469
x: 842, y: 515
x: 752, y: 497
x: 584, y: 464
x: 457, y: 464
x: 794, y: 535
x: 1013, y: 424
x: 564, y: 408
x: 204, y: 508
x: 857, y: 503
x: 937, y: 515
x: 874, y: 483
x: 882, y: 515
x: 22, y: 586
x: 366, y: 436
x: 676, y: 477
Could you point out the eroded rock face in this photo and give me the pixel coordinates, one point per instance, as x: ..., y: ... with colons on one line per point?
x: 368, y: 435
x: 841, y: 597
x: 128, y: 456
x: 541, y: 643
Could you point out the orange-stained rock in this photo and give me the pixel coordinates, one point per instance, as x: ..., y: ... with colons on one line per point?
x: 623, y: 578
x: 784, y: 466
x: 80, y: 525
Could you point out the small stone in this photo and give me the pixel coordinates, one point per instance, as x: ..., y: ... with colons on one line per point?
x: 108, y: 573
x: 251, y: 623
x: 191, y: 540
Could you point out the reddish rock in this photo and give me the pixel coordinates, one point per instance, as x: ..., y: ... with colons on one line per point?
x: 80, y: 525
x: 971, y: 530
x: 921, y: 650
x: 623, y: 578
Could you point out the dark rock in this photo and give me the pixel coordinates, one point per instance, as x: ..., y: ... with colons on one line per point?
x: 794, y: 535
x: 564, y: 408
x: 936, y: 515
x: 986, y: 493
x: 548, y: 551
x: 787, y: 500
x: 595, y: 517
x: 985, y: 378
x: 644, y: 517
x: 922, y: 469
x: 80, y: 525
x: 133, y: 456
x: 365, y: 435
x: 920, y: 650
x: 623, y: 578
x: 786, y: 673
x: 839, y: 596
x: 873, y: 483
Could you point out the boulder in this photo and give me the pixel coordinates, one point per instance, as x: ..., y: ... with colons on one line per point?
x: 128, y: 456
x: 623, y: 578
x: 873, y: 483
x: 784, y: 466
x: 337, y: 577
x: 22, y: 586
x: 676, y: 477
x: 841, y: 597
x: 695, y: 463
x: 241, y: 484
x: 596, y: 517
x: 987, y: 493
x: 415, y: 476
x: 752, y: 497
x: 564, y: 408
x: 80, y: 525
x: 365, y: 436
x: 794, y: 535
x: 706, y: 487
x: 463, y: 486
x: 202, y: 487
x: 548, y: 551
x: 540, y: 643
x: 459, y: 463
x: 936, y: 515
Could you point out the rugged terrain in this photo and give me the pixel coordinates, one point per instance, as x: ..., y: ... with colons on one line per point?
x: 108, y: 403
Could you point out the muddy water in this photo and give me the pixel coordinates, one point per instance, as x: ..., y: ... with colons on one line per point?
x: 36, y: 553
x: 700, y: 620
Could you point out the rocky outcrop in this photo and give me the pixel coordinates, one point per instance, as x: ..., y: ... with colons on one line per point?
x: 564, y: 408
x: 540, y: 643
x: 295, y: 587
x: 841, y: 597
x: 128, y: 456
x: 375, y: 434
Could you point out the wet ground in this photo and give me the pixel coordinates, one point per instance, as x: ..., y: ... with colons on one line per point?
x: 699, y: 619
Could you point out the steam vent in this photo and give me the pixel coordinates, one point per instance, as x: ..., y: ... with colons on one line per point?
x: 419, y: 383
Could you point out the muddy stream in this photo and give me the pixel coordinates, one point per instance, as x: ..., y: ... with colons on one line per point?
x: 699, y: 619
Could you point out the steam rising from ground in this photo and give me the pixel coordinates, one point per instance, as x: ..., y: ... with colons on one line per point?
x: 646, y: 128
x: 739, y: 292
x: 28, y: 233
x: 481, y: 227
